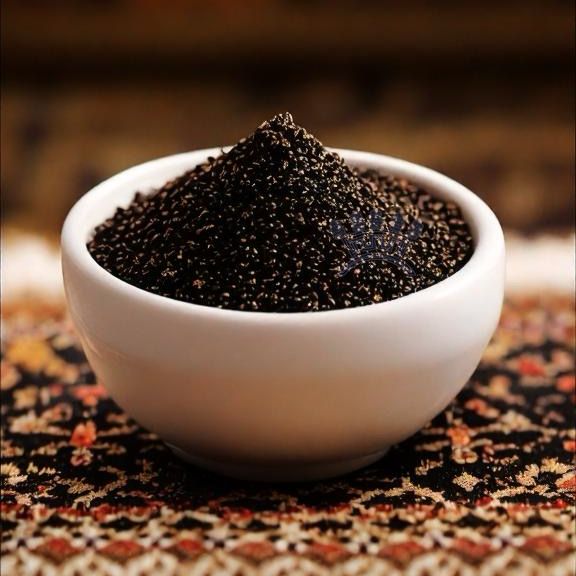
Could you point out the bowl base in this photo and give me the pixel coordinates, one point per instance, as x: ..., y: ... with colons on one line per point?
x: 290, y: 472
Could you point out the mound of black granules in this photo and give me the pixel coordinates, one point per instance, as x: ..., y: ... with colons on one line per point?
x: 280, y: 224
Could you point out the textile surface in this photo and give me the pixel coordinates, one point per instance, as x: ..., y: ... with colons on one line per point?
x: 488, y: 487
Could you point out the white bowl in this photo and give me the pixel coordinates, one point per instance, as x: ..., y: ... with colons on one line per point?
x: 282, y: 396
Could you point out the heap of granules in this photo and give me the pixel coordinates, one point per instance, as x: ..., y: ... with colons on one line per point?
x: 280, y: 224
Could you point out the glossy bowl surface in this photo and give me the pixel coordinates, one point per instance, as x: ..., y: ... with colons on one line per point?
x: 282, y: 396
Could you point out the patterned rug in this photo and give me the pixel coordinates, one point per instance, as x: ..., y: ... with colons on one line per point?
x: 487, y: 488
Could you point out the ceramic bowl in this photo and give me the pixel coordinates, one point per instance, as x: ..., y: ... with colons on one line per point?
x: 282, y: 396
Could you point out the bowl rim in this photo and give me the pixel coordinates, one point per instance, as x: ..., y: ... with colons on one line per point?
x: 486, y: 230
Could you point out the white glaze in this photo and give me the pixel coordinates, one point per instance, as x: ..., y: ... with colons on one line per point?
x: 282, y: 396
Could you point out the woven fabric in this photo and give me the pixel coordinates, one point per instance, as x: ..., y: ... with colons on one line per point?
x: 486, y: 488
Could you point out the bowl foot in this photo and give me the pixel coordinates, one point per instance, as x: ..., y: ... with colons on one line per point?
x: 290, y: 472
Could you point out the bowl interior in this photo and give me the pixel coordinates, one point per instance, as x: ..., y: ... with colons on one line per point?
x: 103, y: 200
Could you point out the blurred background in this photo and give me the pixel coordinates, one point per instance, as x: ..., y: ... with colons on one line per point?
x: 483, y: 91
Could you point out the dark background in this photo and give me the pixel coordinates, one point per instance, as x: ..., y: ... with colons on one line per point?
x: 483, y: 91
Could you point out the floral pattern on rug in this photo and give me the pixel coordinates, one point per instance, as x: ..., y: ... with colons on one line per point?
x: 488, y: 487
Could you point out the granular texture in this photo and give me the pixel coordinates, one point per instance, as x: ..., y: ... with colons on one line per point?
x: 280, y: 224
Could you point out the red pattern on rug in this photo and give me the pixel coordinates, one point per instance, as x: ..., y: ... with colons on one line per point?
x: 487, y: 487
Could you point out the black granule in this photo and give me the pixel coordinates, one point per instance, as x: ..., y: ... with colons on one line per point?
x: 280, y: 224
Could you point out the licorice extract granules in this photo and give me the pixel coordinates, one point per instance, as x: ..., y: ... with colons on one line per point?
x: 280, y: 224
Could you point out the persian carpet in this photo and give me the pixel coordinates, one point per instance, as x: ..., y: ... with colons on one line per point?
x: 488, y: 487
